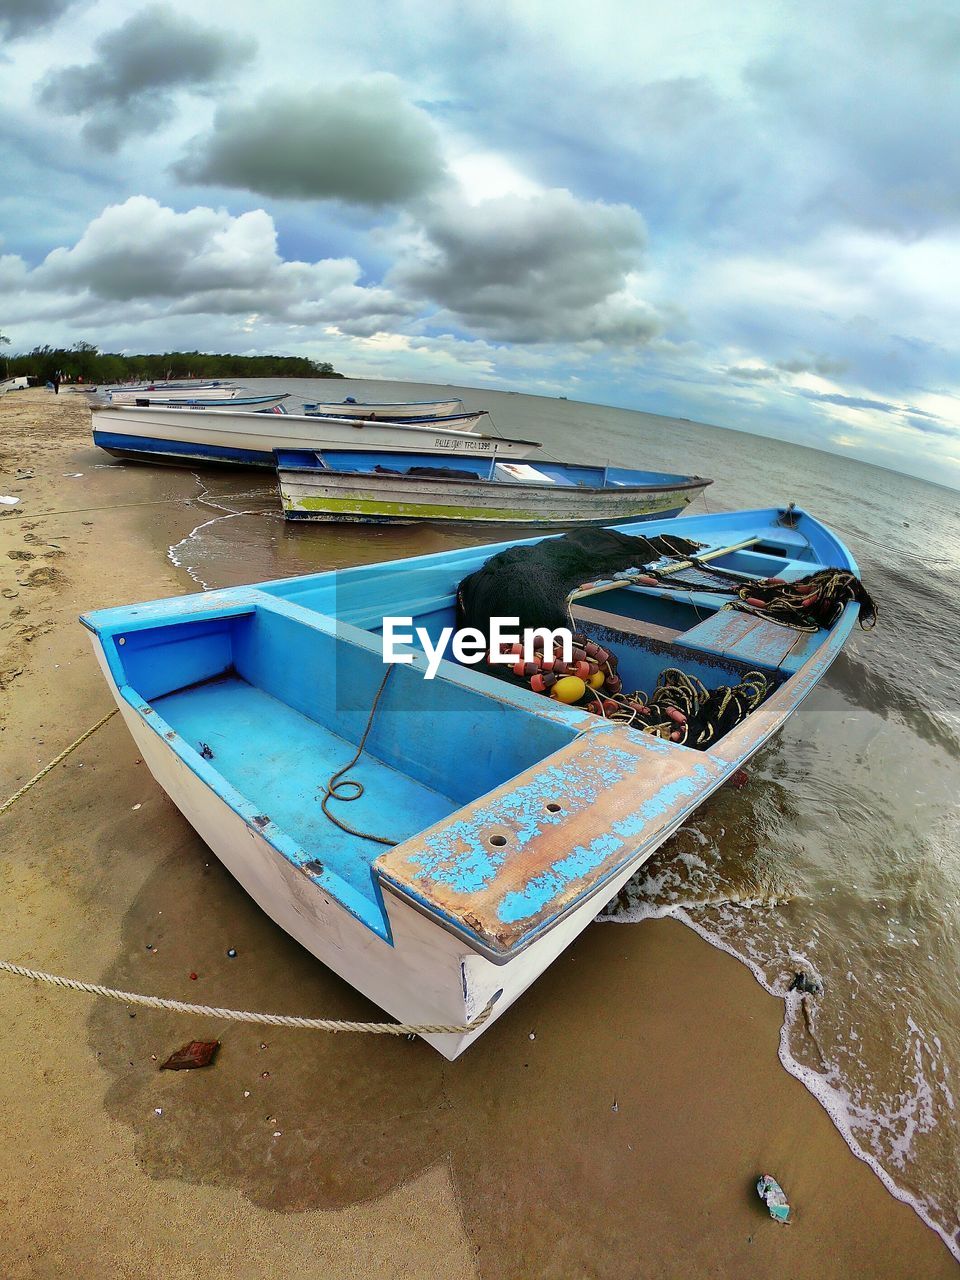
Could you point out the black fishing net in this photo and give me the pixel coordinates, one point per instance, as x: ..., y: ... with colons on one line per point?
x: 445, y: 473
x: 532, y: 583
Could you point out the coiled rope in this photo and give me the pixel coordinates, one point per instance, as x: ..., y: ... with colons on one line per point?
x: 334, y: 788
x: 212, y: 1011
x: 684, y: 710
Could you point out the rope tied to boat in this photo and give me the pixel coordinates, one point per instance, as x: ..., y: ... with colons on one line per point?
x: 243, y: 1015
x: 38, y: 777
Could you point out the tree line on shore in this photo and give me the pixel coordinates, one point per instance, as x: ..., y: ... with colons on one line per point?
x: 83, y: 361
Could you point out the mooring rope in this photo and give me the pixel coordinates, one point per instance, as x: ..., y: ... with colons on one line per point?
x: 38, y: 777
x: 242, y: 1015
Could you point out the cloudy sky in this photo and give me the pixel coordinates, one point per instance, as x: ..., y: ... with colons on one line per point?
x: 744, y: 213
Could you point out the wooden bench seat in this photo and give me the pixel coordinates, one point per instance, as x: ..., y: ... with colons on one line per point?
x: 730, y: 633
x: 629, y: 626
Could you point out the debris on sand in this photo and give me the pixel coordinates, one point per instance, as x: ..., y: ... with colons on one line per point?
x: 773, y: 1196
x: 198, y: 1053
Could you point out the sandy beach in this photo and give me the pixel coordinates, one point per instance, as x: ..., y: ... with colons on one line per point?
x: 612, y: 1124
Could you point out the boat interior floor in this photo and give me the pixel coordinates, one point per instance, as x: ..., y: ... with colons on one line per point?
x: 282, y: 760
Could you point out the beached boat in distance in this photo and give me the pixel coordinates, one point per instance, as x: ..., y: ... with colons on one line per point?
x: 385, y: 410
x: 163, y: 400
x: 342, y: 484
x: 506, y: 819
x: 175, y: 395
x: 178, y: 436
x: 464, y: 421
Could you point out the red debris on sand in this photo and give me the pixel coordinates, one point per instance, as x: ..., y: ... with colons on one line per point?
x: 198, y: 1053
x: 740, y: 779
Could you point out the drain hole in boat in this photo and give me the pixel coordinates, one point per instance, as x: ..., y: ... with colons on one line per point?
x: 498, y: 841
x: 553, y: 808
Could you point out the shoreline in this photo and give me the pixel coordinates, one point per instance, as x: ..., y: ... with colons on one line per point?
x: 611, y: 1124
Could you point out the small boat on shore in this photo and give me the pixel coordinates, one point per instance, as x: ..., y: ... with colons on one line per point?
x: 342, y: 484
x: 385, y: 410
x: 174, y: 395
x: 165, y: 400
x: 489, y: 823
x: 466, y: 421
x: 179, y: 436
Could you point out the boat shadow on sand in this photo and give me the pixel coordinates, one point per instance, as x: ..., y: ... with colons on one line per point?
x: 554, y: 1107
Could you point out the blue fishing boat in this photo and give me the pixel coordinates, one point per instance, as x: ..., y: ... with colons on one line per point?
x: 397, y: 488
x: 439, y: 841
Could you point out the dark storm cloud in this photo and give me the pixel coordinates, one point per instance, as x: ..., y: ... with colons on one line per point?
x: 747, y: 373
x: 529, y: 269
x: 130, y: 87
x: 30, y: 17
x: 853, y: 402
x: 932, y: 426
x: 825, y: 366
x: 362, y: 143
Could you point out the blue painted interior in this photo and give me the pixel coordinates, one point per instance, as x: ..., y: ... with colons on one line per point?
x: 283, y: 704
x: 281, y: 760
x: 622, y: 475
x: 484, y: 467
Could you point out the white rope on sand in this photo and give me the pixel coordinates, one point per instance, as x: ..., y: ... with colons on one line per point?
x: 240, y: 1015
x: 37, y: 777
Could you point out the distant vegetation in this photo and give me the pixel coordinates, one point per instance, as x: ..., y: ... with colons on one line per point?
x: 83, y: 360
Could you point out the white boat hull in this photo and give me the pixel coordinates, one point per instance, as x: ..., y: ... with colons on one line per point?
x: 249, y: 439
x: 426, y: 975
x: 192, y: 393
x: 389, y: 412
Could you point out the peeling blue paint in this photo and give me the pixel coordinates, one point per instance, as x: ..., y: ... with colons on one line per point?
x: 543, y: 889
x: 459, y: 854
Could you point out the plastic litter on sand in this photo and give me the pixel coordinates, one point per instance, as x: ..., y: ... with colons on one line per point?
x: 773, y: 1196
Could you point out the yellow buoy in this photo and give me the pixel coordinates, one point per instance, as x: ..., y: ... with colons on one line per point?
x: 596, y: 680
x: 568, y: 689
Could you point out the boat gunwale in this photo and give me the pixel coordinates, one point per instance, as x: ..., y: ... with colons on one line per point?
x: 681, y: 482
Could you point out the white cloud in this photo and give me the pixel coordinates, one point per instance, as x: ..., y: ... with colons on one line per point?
x: 149, y: 261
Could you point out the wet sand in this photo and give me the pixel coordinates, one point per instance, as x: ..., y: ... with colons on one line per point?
x: 611, y: 1124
